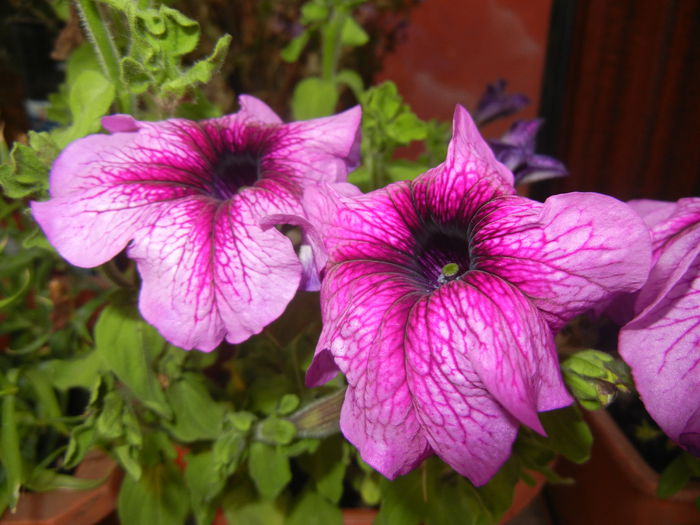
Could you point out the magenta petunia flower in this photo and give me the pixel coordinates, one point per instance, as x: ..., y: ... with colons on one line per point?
x: 440, y: 297
x: 188, y: 200
x: 661, y: 343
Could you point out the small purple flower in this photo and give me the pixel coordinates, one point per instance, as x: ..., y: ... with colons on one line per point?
x: 496, y: 103
x: 188, y: 201
x: 440, y: 297
x: 662, y: 342
x: 516, y: 149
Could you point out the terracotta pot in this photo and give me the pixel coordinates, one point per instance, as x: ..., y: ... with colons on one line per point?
x: 617, y: 486
x: 72, y: 507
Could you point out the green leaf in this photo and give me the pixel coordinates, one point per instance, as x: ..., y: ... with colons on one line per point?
x: 227, y: 452
x: 10, y: 455
x: 288, y: 404
x: 314, y: 97
x: 81, y: 439
x: 109, y: 422
x: 181, y: 34
x: 352, y: 33
x: 276, y: 431
x: 313, y: 11
x: 406, y: 128
x: 314, y: 509
x: 89, y: 99
x: 8, y: 301
x: 497, y: 494
x: 568, y: 434
x: 202, y: 71
x: 81, y: 371
x: 159, y: 497
x: 203, y: 484
x: 48, y: 406
x: 25, y: 174
x: 327, y: 466
x: 292, y: 50
x: 403, y: 501
x: 674, y: 477
x: 269, y: 469
x: 197, y: 415
x: 353, y: 80
x: 127, y: 346
x: 42, y: 480
x: 134, y: 75
x: 242, y: 507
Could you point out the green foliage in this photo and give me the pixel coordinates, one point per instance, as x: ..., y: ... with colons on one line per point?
x: 159, y: 497
x: 678, y: 474
x: 333, y: 23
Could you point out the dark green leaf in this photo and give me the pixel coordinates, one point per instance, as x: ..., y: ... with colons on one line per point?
x: 314, y: 509
x: 403, y: 501
x: 159, y: 497
x: 674, y: 477
x: 203, y: 484
x: 568, y: 434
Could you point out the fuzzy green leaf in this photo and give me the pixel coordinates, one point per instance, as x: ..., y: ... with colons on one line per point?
x: 202, y: 71
x: 134, y: 75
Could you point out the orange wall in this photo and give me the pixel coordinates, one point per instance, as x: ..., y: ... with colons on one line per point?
x: 453, y: 48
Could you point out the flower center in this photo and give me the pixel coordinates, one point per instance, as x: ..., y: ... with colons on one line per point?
x: 442, y: 254
x: 233, y: 171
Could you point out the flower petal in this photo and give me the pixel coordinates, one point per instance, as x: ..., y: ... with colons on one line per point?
x: 210, y: 272
x: 469, y: 153
x: 325, y: 148
x: 479, y: 357
x: 364, y: 311
x: 567, y: 254
x: 661, y: 346
x: 255, y: 110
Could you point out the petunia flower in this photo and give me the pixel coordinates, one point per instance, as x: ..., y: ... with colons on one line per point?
x: 440, y: 297
x: 661, y: 344
x: 516, y: 149
x: 495, y: 103
x: 188, y: 199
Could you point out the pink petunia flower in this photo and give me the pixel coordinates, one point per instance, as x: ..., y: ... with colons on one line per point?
x: 188, y: 199
x: 440, y: 298
x: 661, y: 343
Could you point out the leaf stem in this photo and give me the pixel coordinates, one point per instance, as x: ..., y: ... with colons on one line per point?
x: 103, y: 43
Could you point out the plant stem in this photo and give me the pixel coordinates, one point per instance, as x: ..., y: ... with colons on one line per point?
x: 103, y: 43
